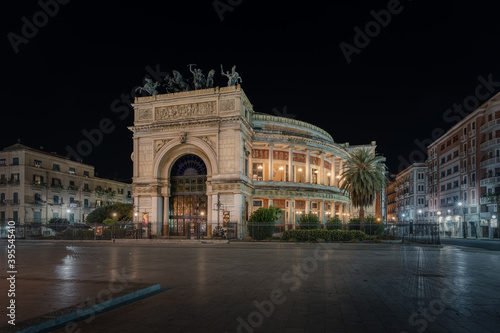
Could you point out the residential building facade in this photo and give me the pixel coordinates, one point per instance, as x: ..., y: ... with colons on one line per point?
x: 410, y: 194
x: 36, y: 186
x: 464, y: 174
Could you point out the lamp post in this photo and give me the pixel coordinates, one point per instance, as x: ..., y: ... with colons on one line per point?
x: 217, y: 207
x: 114, y: 234
x: 281, y: 168
x: 464, y: 224
x: 439, y: 222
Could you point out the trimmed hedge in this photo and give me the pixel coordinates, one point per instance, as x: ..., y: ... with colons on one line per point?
x: 327, y: 235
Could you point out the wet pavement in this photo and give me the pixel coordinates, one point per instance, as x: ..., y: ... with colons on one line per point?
x: 263, y: 287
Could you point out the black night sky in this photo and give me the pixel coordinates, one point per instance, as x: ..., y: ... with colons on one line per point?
x: 85, y: 60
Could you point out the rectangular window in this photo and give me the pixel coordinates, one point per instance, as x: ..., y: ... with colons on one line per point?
x: 257, y: 171
x: 2, y: 162
x: 86, y: 174
x: 56, y: 167
x: 72, y: 171
x: 38, y: 164
x: 15, y: 161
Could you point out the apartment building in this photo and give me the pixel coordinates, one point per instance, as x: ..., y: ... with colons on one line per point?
x: 410, y: 197
x: 464, y: 174
x: 36, y: 186
x: 391, y: 189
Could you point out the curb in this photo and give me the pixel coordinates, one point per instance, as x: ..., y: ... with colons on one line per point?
x: 81, y: 314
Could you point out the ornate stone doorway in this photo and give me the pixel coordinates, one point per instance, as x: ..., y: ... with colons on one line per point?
x: 188, y: 200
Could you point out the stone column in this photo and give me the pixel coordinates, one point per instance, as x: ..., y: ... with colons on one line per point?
x: 136, y: 158
x: 308, y: 166
x: 332, y: 171
x: 290, y: 163
x: 308, y: 206
x: 322, y: 169
x: 341, y: 212
x: 270, y: 202
x: 290, y: 212
x: 341, y: 169
x: 271, y: 161
x: 332, y: 209
x: 293, y: 212
x: 157, y: 215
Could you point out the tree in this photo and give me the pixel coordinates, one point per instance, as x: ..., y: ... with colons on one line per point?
x: 123, y: 212
x: 261, y: 222
x: 334, y: 223
x: 363, y: 178
x: 309, y: 221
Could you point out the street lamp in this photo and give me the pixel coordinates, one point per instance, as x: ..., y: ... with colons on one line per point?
x: 217, y: 206
x: 114, y: 218
x: 464, y: 224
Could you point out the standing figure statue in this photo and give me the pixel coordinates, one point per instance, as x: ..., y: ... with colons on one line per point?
x: 183, y: 86
x: 233, y: 77
x: 149, y: 87
x: 210, y: 79
x: 198, y: 77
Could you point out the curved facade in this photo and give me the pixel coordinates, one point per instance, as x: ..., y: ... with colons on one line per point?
x: 244, y: 160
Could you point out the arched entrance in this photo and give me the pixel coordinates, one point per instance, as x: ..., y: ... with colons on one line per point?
x: 188, y: 200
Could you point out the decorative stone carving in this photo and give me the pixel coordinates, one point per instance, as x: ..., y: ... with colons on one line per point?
x: 227, y: 105
x: 209, y: 140
x: 146, y: 114
x: 183, y: 137
x: 185, y: 110
x: 159, y: 144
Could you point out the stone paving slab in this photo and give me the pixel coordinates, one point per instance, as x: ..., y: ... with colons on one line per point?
x: 322, y: 287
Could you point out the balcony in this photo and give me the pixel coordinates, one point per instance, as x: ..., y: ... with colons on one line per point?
x: 463, y: 154
x: 56, y: 187
x: 472, y: 133
x: 472, y: 184
x: 463, y: 186
x: 14, y: 202
x: 72, y: 188
x: 463, y: 170
x: 490, y: 180
x: 463, y: 138
x: 39, y: 185
x: 14, y: 181
x: 486, y: 127
x: 472, y: 150
x: 489, y: 200
x: 472, y: 167
x: 490, y: 161
x: 490, y: 144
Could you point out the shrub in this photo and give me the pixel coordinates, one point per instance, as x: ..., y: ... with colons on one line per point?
x: 301, y: 235
x: 309, y: 221
x: 334, y: 223
x: 354, y: 224
x: 261, y: 222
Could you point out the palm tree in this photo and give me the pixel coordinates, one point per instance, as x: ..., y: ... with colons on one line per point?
x: 363, y: 178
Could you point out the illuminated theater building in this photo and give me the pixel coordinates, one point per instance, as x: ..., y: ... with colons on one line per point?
x: 204, y: 157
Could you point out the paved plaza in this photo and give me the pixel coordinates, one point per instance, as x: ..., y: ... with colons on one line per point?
x: 262, y: 287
